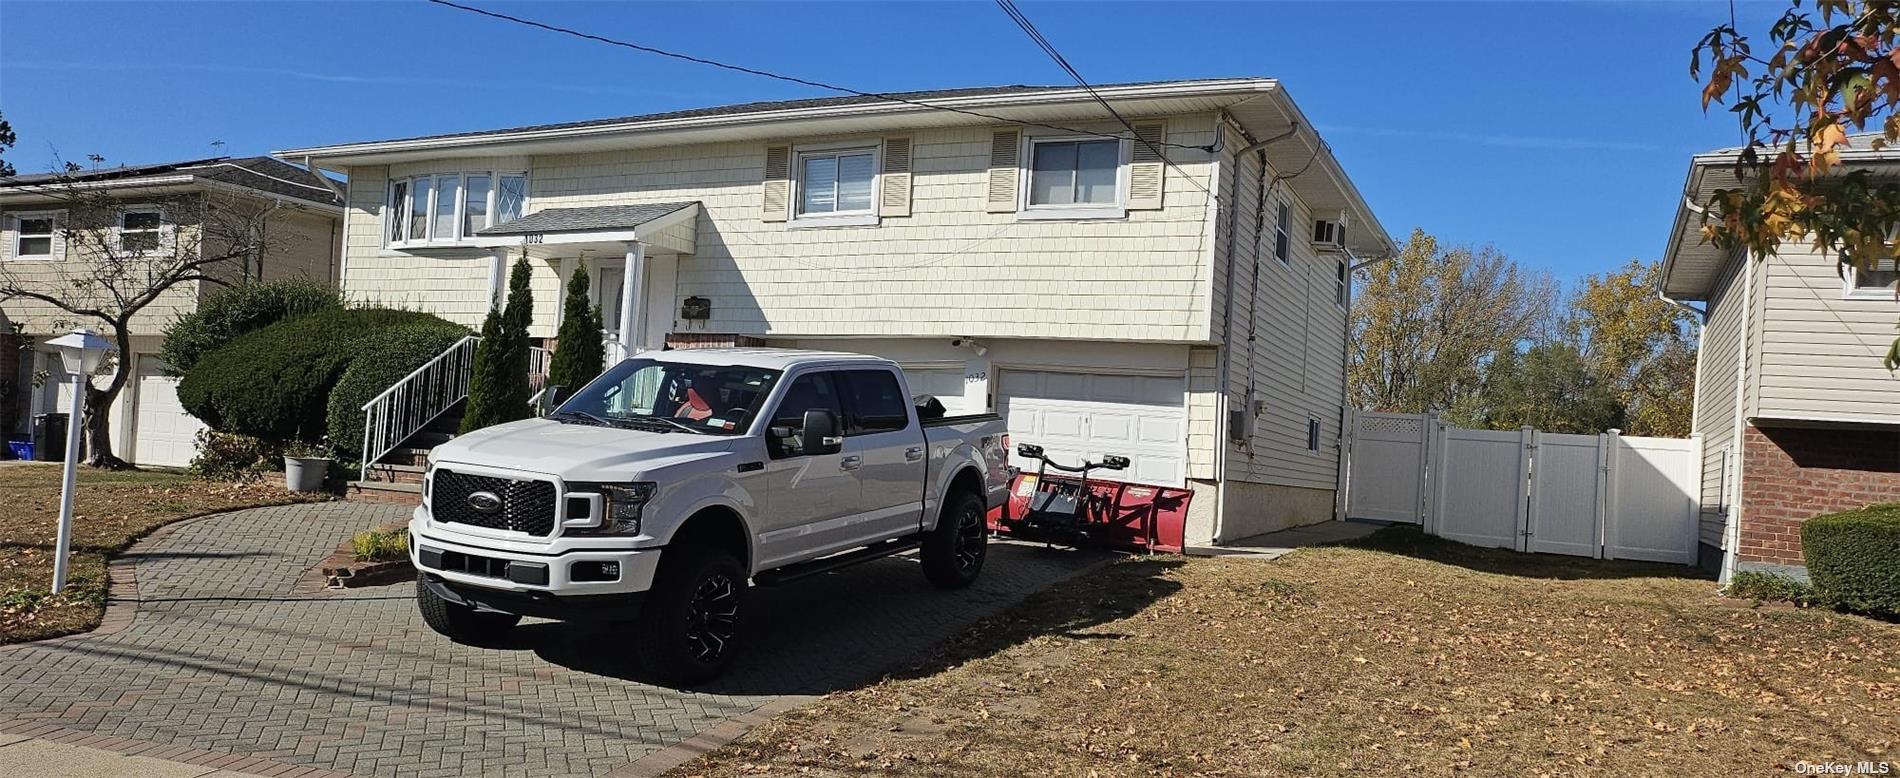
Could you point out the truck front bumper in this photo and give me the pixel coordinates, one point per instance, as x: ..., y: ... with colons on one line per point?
x: 573, y: 573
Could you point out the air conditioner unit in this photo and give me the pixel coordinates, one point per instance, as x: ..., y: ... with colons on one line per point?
x: 1330, y: 234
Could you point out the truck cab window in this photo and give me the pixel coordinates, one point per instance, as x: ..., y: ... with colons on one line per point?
x: 876, y: 403
x: 809, y: 391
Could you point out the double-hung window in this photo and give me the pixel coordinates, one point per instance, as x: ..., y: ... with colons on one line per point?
x: 1877, y: 282
x: 139, y: 229
x: 1342, y: 285
x: 1282, y: 238
x: 837, y: 185
x: 452, y: 207
x: 34, y: 235
x: 1078, y: 178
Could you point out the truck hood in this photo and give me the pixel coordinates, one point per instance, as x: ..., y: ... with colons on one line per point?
x: 577, y: 451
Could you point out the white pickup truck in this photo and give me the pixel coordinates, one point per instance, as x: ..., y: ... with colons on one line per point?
x: 658, y: 491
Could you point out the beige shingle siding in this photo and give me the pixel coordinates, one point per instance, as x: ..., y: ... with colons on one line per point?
x: 1821, y: 356
x: 55, y: 276
x: 1298, y: 339
x: 1203, y: 386
x: 1715, y: 400
x: 455, y: 289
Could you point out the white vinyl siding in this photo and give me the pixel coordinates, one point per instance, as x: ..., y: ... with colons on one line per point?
x: 1715, y: 398
x: 1821, y: 356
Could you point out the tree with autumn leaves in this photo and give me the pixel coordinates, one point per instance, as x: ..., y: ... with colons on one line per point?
x: 1802, y: 94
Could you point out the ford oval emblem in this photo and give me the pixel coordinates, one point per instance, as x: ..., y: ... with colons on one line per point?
x: 484, y: 502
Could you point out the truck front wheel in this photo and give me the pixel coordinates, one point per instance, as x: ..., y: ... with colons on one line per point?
x: 459, y: 622
x: 953, y: 552
x: 688, y: 629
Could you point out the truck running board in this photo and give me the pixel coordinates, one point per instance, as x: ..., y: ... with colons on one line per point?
x: 791, y: 573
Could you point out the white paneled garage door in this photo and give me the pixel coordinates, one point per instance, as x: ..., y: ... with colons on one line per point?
x: 1077, y: 415
x: 165, y: 434
x: 946, y: 383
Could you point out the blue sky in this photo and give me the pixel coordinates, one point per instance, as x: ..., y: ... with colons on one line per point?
x: 1558, y: 132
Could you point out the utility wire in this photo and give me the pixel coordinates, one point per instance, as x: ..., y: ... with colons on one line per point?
x: 769, y: 74
x: 1035, y: 36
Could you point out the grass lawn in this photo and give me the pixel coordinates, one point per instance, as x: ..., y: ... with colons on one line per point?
x: 1403, y: 655
x: 113, y: 509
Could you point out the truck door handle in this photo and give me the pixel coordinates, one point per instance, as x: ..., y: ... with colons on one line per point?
x: 913, y: 453
x: 850, y: 463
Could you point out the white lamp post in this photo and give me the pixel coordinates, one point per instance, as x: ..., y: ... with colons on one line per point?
x: 82, y: 350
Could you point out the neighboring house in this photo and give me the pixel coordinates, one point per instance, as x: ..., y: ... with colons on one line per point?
x: 1013, y: 248
x: 1797, y: 413
x: 148, y: 426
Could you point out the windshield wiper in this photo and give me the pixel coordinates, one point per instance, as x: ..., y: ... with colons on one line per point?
x: 564, y: 416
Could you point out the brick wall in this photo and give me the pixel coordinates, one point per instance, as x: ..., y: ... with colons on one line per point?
x: 711, y: 340
x: 1791, y: 474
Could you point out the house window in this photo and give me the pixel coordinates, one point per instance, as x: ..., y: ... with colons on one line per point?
x: 138, y: 229
x: 1282, y: 241
x: 1878, y: 282
x: 836, y: 183
x: 1312, y: 433
x: 35, y: 235
x: 1342, y: 285
x: 452, y: 207
x: 1074, y: 173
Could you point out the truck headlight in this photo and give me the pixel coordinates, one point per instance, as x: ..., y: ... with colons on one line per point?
x: 620, y: 506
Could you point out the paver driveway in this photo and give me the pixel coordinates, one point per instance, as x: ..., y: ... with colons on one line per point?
x: 226, y: 654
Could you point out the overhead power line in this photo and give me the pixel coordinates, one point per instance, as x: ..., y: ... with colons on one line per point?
x: 769, y: 74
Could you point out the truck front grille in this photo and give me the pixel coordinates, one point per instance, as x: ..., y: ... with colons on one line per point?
x: 526, y: 505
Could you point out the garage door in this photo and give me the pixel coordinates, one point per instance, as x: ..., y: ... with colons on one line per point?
x: 944, y: 382
x: 1077, y: 415
x: 165, y: 434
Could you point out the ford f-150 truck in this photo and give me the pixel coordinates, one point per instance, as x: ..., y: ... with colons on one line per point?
x: 657, y: 493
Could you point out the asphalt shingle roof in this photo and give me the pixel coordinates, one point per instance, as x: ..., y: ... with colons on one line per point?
x: 265, y: 174
x: 599, y: 217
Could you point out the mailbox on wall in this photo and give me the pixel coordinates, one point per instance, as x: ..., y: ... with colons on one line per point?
x: 696, y: 308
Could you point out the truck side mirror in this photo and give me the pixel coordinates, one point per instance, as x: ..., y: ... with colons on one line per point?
x: 552, y: 398
x: 820, y: 433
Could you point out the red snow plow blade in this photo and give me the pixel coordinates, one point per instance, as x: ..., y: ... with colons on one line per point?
x: 1124, y: 516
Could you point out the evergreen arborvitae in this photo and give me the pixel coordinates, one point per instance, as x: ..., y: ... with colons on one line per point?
x: 498, y: 388
x: 580, y: 354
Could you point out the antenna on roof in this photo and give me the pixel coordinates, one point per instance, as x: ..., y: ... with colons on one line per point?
x: 96, y: 160
x: 217, y: 148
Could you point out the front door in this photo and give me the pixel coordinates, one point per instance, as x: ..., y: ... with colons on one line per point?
x: 811, y: 499
x: 609, y: 284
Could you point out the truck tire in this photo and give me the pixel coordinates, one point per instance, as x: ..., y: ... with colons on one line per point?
x: 459, y: 622
x: 688, y: 628
x: 953, y: 553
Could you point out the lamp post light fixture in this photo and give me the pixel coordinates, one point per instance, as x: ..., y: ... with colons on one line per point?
x: 81, y: 350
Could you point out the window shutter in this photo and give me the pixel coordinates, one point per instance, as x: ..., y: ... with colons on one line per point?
x: 1005, y: 167
x: 9, y: 229
x: 775, y: 202
x: 1146, y: 169
x: 893, y: 191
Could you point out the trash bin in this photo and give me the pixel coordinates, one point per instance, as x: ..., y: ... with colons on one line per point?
x: 49, y: 437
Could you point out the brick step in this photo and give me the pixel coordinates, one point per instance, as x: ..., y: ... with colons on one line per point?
x: 393, y: 473
x: 388, y: 493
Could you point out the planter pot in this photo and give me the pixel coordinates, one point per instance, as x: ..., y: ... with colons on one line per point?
x: 305, y: 474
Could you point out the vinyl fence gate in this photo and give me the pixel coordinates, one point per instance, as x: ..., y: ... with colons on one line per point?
x: 1608, y: 496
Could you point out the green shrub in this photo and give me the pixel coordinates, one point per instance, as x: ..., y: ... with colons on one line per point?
x: 227, y: 457
x: 1854, y: 558
x: 381, y: 545
x: 275, y: 383
x: 579, y: 355
x: 241, y: 309
x: 383, y: 359
x: 1773, y: 587
x: 498, y: 388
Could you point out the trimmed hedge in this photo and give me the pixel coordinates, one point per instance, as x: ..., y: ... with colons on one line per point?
x: 1854, y: 558
x: 238, y: 310
x: 383, y: 359
x: 275, y: 383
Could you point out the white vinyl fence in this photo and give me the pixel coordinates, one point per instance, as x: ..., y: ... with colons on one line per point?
x: 1605, y: 496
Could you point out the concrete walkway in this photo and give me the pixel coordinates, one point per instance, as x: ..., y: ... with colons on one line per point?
x: 52, y: 759
x: 1274, y: 545
x: 233, y: 662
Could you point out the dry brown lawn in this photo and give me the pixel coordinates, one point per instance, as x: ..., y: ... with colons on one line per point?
x: 1406, y: 655
x: 113, y: 509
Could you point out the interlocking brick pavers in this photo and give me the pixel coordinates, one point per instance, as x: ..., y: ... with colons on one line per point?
x: 228, y: 657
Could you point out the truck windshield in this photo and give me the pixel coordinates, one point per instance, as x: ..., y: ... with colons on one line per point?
x: 667, y: 396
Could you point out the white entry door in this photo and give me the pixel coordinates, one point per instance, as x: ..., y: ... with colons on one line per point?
x: 165, y: 434
x: 1078, y: 415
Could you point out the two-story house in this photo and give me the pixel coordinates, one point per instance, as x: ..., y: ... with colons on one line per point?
x: 1173, y: 290
x: 1796, y: 409
x: 158, y: 208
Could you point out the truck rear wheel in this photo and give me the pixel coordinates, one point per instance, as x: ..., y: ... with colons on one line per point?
x: 688, y: 629
x: 459, y: 622
x: 953, y: 552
